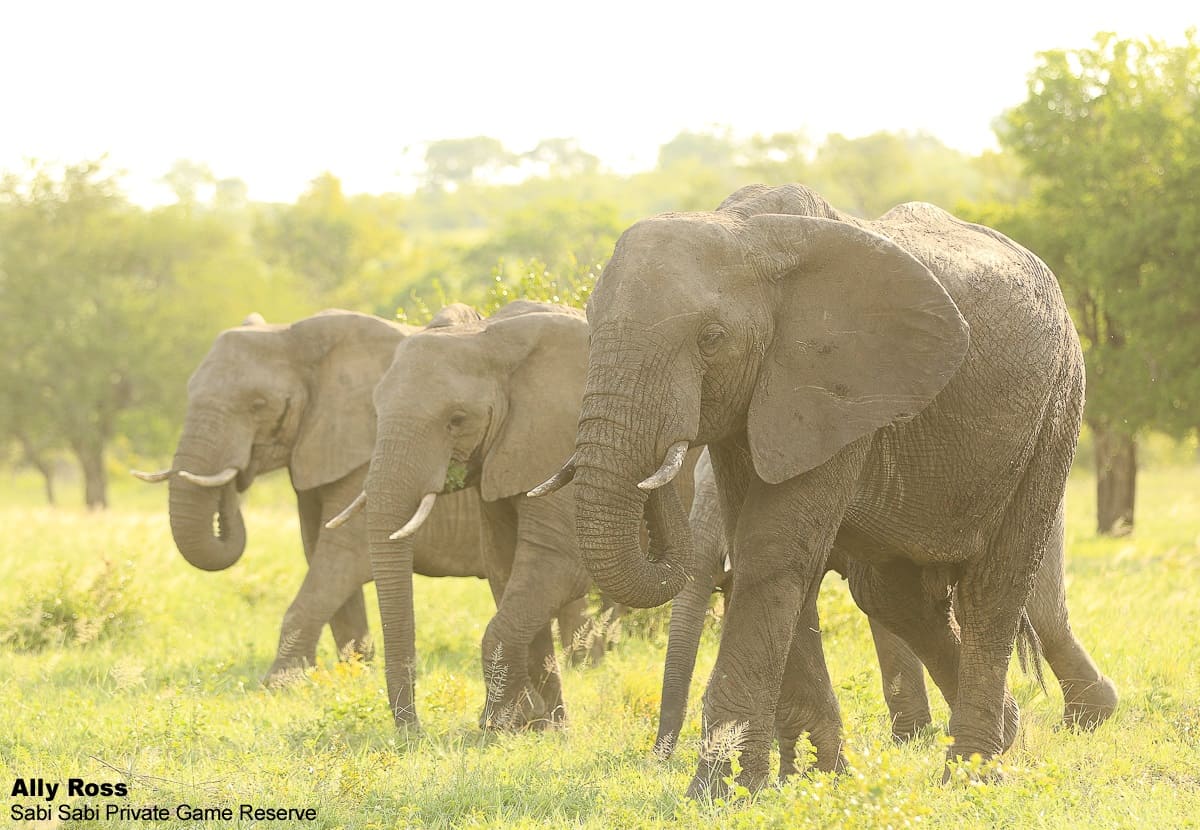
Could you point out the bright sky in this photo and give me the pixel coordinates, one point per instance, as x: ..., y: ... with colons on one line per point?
x: 277, y: 92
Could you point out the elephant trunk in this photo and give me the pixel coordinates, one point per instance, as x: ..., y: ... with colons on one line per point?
x: 392, y: 498
x: 620, y: 427
x: 209, y: 545
x: 687, y: 615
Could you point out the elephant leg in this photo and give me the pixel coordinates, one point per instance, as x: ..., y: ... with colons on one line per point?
x: 337, y: 568
x: 806, y: 699
x: 783, y: 537
x: 350, y: 631
x: 903, y: 683
x: 520, y: 668
x: 542, y: 579
x: 346, y: 549
x: 329, y: 587
x: 913, y: 609
x: 993, y: 588
x: 1089, y: 697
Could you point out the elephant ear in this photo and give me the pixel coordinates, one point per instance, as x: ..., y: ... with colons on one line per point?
x: 345, y: 354
x: 544, y: 358
x: 865, y: 336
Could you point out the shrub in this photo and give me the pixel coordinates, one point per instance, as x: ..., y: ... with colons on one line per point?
x: 63, y: 613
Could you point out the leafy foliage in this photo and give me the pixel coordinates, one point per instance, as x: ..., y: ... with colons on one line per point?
x: 1111, y: 136
x: 77, y: 611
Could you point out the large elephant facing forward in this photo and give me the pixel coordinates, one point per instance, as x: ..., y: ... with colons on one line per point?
x: 904, y: 393
x: 299, y: 396
x: 1089, y: 697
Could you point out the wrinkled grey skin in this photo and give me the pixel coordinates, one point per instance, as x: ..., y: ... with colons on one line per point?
x: 299, y: 396
x: 1089, y: 697
x: 498, y: 398
x: 902, y: 396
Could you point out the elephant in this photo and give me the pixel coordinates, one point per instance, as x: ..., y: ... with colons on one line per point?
x: 1089, y: 697
x: 899, y: 396
x: 298, y: 396
x: 491, y: 404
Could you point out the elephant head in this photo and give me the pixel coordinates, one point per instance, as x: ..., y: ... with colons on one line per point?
x: 463, y: 404
x: 772, y: 319
x: 268, y: 396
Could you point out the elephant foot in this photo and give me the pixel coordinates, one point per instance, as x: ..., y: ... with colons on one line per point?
x: 286, y: 671
x: 664, y: 746
x: 710, y: 782
x: 825, y: 755
x: 906, y: 727
x: 788, y: 767
x: 360, y: 648
x: 966, y: 766
x: 526, y: 709
x: 1086, y: 707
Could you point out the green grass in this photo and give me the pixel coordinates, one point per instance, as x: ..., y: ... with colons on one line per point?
x: 166, y: 695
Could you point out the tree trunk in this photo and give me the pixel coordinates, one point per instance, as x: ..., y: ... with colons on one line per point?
x: 95, y: 477
x: 1116, y: 479
x: 41, y: 464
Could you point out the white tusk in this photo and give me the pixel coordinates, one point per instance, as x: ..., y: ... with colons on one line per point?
x: 219, y: 480
x: 153, y: 478
x: 418, y: 518
x: 557, y: 481
x: 343, y: 517
x: 672, y: 462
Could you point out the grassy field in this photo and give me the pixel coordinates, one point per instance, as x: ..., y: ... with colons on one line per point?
x: 121, y: 663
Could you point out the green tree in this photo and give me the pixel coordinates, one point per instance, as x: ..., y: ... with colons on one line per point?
x: 67, y: 267
x: 567, y: 235
x: 868, y: 176
x: 351, y: 252
x: 453, y: 162
x: 563, y: 157
x: 105, y: 309
x: 1111, y: 137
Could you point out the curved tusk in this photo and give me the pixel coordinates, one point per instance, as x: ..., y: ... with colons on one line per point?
x: 219, y: 480
x: 153, y: 478
x: 671, y: 465
x: 418, y: 518
x: 343, y: 517
x: 557, y: 481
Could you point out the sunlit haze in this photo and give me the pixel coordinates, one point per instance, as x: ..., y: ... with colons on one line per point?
x: 275, y: 93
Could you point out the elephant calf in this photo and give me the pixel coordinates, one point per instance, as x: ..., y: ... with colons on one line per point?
x: 299, y: 396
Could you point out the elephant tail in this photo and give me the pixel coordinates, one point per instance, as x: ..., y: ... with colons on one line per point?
x: 1029, y: 650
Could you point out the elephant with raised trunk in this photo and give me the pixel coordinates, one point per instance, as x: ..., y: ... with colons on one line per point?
x: 899, y: 396
x: 491, y: 404
x: 299, y: 396
x: 1089, y: 697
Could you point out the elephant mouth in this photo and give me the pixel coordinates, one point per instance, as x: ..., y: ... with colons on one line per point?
x: 468, y: 472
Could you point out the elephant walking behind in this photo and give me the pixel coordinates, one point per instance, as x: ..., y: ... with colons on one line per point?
x: 299, y: 396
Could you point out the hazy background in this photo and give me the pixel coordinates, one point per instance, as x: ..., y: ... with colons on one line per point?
x: 165, y: 169
x: 274, y: 93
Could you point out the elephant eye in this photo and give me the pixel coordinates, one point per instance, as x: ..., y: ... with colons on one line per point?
x: 458, y: 419
x: 258, y: 404
x: 711, y: 337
